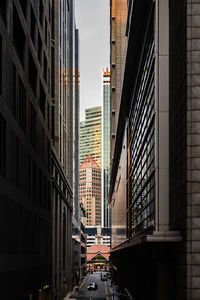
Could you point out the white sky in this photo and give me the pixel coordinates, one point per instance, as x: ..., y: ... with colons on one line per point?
x: 92, y: 20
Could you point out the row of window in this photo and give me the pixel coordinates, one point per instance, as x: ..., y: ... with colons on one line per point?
x: 24, y: 112
x: 25, y: 233
x: 20, y: 169
x: 141, y: 196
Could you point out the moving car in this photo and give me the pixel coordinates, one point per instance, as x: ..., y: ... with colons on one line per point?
x: 92, y: 286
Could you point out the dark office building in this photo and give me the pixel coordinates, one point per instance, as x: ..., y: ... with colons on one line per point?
x: 62, y: 206
x: 25, y: 177
x: 76, y: 220
x: 66, y: 256
x: 83, y: 250
x: 155, y: 183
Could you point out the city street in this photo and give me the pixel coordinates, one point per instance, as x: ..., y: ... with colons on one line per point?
x: 98, y: 294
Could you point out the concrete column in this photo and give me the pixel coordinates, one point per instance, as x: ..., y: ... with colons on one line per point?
x: 162, y: 114
x: 193, y: 150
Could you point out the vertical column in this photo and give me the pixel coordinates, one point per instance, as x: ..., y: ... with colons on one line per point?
x: 193, y: 149
x: 71, y: 89
x: 162, y: 114
x: 53, y: 237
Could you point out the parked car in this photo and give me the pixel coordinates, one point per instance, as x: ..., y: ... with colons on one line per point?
x: 108, y: 275
x: 103, y: 277
x: 92, y: 286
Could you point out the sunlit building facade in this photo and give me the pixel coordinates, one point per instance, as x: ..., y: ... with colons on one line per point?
x: 90, y: 191
x: 106, y: 140
x: 118, y: 44
x: 90, y: 135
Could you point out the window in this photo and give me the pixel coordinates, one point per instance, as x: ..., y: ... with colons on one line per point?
x: 45, y: 68
x: 39, y: 48
x: 32, y: 73
x: 40, y: 188
x: 23, y: 7
x: 18, y: 36
x: 2, y: 146
x: 41, y: 13
x: 46, y: 31
x: 34, y: 180
x: 33, y: 25
x: 1, y: 65
x: 22, y: 106
x: 14, y: 91
x: 48, y: 115
x: 3, y: 10
x: 33, y: 125
x: 42, y: 101
x: 64, y: 238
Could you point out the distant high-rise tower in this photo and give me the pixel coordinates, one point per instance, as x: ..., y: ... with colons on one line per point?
x: 106, y: 146
x: 90, y: 135
x: 90, y: 190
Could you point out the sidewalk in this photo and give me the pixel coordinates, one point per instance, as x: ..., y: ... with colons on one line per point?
x: 75, y: 290
x: 112, y: 290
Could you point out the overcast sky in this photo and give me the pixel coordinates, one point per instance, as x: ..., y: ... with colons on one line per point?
x: 92, y: 20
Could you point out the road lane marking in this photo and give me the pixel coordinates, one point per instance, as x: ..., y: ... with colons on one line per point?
x: 106, y: 289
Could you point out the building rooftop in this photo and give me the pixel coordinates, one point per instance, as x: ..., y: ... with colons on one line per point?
x: 89, y: 162
x: 94, y: 249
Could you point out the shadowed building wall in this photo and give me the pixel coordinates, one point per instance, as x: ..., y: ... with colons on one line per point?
x: 65, y: 108
x: 25, y: 178
x: 154, y: 190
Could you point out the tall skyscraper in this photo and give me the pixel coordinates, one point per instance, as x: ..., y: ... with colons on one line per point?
x: 90, y: 190
x: 64, y: 134
x: 90, y: 135
x: 106, y: 147
x: 62, y: 89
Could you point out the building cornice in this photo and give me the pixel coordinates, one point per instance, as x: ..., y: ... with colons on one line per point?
x: 155, y: 237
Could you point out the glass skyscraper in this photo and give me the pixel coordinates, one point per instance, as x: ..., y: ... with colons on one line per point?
x: 106, y: 146
x: 90, y: 135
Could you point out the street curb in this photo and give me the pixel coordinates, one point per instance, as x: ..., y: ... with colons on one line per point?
x: 69, y: 294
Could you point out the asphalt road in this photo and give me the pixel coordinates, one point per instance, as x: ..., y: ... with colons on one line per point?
x: 98, y: 294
